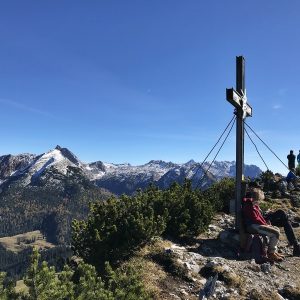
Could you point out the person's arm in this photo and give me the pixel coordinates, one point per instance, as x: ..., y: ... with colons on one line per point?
x: 252, y: 214
x: 248, y: 212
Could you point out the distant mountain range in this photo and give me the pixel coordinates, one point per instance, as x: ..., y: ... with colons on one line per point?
x: 50, y: 168
x: 46, y: 192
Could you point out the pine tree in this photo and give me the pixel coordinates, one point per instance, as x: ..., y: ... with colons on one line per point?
x: 44, y: 283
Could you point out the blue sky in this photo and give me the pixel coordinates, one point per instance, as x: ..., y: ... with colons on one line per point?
x: 130, y: 81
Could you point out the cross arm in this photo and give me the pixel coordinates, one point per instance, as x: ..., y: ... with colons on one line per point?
x: 235, y: 99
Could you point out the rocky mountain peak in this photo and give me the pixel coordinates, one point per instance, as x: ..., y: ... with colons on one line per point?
x: 98, y: 164
x: 69, y: 155
x: 9, y: 164
x: 161, y: 163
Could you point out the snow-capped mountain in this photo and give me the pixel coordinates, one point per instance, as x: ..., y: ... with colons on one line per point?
x: 30, y: 169
x: 44, y: 192
x: 125, y: 178
x: 10, y: 164
x: 49, y: 169
x: 221, y: 169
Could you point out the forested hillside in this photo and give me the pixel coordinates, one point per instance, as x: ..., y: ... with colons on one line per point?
x: 114, y: 230
x: 49, y: 208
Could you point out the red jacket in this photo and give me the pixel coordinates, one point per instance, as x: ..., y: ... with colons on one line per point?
x: 252, y: 214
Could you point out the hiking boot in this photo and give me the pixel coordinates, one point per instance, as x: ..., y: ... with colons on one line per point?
x: 274, y: 257
x: 296, y: 251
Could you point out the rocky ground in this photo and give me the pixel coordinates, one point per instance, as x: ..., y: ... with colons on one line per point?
x: 181, y: 271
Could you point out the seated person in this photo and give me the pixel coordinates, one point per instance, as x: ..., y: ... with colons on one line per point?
x: 291, y: 176
x: 255, y: 223
x: 279, y: 218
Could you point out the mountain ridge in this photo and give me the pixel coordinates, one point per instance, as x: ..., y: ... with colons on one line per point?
x: 28, y: 169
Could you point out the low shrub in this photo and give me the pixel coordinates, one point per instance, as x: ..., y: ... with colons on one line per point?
x: 220, y: 194
x: 117, y: 227
x: 81, y: 282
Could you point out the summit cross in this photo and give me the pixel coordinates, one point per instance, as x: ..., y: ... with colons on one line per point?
x: 237, y: 97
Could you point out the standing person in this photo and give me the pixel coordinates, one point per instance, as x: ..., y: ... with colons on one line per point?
x: 298, y: 158
x: 291, y: 160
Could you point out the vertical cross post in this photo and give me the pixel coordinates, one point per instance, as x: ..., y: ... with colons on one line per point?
x: 242, y: 110
x: 240, y: 88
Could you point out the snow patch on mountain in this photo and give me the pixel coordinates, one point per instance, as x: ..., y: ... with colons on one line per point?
x: 11, y: 164
x: 52, y: 166
x: 59, y: 159
x: 51, y: 158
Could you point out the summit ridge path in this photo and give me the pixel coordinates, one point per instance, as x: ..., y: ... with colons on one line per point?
x: 237, y: 278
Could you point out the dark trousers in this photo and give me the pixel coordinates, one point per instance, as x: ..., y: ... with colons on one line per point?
x: 280, y: 219
x: 291, y: 166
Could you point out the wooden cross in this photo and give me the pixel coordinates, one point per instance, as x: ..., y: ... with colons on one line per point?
x: 238, y: 99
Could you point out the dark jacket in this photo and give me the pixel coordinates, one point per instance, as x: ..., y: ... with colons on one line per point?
x: 291, y: 160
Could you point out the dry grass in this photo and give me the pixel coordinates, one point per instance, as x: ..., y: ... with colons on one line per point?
x: 19, y: 242
x: 151, y: 273
x: 263, y: 295
x: 156, y: 252
x: 157, y: 245
x: 274, y: 204
x: 160, y: 272
x: 229, y: 278
x: 21, y: 287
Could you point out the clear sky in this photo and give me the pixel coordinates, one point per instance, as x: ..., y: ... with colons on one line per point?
x: 130, y: 81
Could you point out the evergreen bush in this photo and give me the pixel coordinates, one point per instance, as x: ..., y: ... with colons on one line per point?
x: 189, y: 213
x: 220, y: 193
x: 115, y: 228
x: 43, y: 283
x: 267, y: 180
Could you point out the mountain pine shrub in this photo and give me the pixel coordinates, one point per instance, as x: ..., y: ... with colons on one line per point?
x: 188, y: 212
x: 117, y: 227
x: 220, y: 193
x: 268, y: 182
x: 6, y: 288
x: 78, y: 283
